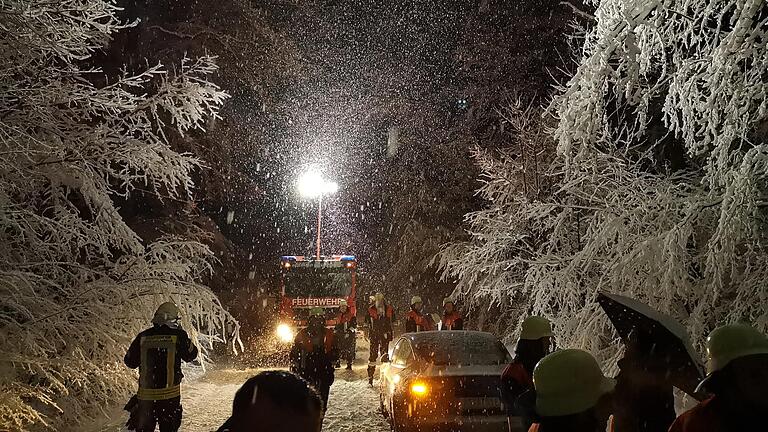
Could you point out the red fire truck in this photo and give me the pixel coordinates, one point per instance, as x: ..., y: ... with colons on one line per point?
x: 306, y: 283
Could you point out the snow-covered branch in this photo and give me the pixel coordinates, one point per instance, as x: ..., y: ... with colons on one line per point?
x: 659, y: 179
x: 76, y: 282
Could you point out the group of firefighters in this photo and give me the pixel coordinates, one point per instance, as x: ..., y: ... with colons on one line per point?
x: 565, y: 390
x: 317, y: 349
x: 548, y: 390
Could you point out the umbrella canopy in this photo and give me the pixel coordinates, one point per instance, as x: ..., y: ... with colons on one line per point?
x: 670, y: 339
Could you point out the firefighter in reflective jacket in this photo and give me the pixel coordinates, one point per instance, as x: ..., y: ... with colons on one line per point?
x: 314, y: 353
x: 346, y: 327
x: 158, y: 352
x: 415, y: 320
x: 452, y: 319
x: 379, y: 319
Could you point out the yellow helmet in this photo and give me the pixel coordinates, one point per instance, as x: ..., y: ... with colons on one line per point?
x: 166, y: 312
x: 729, y: 342
x: 447, y: 300
x: 343, y: 302
x: 379, y: 297
x: 415, y: 299
x: 535, y: 327
x: 569, y: 382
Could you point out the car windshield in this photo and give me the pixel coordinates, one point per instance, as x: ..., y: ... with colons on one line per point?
x: 461, y: 348
x: 318, y: 282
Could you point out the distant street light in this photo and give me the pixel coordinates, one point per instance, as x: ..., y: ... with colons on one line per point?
x: 312, y: 185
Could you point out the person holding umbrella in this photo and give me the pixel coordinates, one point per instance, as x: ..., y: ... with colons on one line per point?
x: 737, y: 366
x: 657, y: 357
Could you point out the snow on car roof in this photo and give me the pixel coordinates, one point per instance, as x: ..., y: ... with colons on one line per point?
x: 458, y: 347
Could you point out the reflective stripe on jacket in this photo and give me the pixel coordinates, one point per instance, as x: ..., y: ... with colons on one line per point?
x: 158, y: 353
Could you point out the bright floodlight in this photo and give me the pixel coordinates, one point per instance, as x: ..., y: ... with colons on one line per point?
x: 313, y: 185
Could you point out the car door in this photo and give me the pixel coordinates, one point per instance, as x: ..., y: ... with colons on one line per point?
x: 392, y: 369
x: 404, y: 368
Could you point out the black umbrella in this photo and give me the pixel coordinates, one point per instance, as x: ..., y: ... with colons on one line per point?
x: 670, y: 339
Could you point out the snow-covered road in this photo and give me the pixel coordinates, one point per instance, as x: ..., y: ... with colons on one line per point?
x: 207, y: 401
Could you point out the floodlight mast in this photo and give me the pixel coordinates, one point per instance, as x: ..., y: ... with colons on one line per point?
x: 313, y: 185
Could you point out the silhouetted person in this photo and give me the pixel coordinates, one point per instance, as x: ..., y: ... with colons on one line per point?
x: 314, y: 353
x: 275, y: 401
x: 379, y: 318
x: 644, y: 398
x: 452, y: 319
x: 158, y: 352
x: 737, y: 365
x: 517, y: 393
x: 415, y: 319
x: 346, y: 333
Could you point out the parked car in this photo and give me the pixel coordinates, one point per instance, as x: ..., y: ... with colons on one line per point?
x: 444, y: 380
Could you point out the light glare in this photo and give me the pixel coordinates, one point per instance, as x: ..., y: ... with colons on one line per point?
x: 312, y: 185
x: 284, y: 333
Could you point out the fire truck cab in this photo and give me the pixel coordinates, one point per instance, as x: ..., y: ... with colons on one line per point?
x: 308, y: 282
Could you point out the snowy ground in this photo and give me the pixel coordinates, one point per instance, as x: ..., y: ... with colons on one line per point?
x: 207, y: 401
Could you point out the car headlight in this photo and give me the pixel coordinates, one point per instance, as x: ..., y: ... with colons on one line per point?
x: 419, y: 388
x: 284, y: 332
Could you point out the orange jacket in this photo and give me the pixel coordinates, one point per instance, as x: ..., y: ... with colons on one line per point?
x: 305, y: 342
x: 415, y: 322
x: 535, y: 427
x: 452, y: 321
x: 517, y: 372
x: 373, y: 313
x: 701, y: 418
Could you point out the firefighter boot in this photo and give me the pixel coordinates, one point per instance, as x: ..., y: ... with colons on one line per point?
x: 371, y: 369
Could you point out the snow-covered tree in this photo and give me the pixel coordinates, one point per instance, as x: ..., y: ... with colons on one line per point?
x: 76, y: 283
x: 660, y: 178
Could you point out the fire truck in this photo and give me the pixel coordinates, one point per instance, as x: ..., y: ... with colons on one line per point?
x: 308, y: 282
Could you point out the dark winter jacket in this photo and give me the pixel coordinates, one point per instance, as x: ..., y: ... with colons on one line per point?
x: 158, y: 352
x: 314, y: 353
x: 380, y: 325
x: 416, y: 321
x: 346, y: 323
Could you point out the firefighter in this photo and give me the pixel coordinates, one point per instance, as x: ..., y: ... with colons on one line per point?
x: 415, y: 320
x: 516, y: 388
x: 380, y: 317
x: 737, y: 366
x: 572, y: 394
x: 158, y: 352
x: 346, y: 327
x: 452, y: 319
x: 314, y: 353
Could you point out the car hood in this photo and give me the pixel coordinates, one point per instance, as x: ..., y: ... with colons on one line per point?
x: 456, y: 370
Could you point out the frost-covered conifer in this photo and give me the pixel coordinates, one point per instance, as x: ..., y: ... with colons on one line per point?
x: 76, y: 283
x: 660, y: 179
